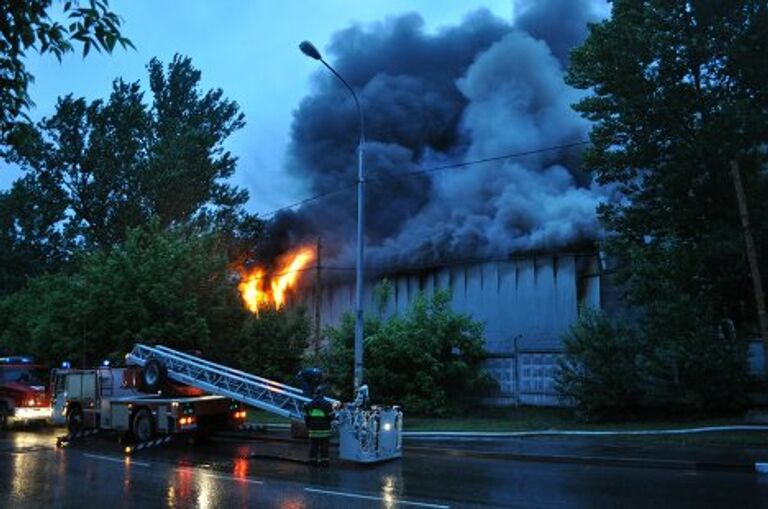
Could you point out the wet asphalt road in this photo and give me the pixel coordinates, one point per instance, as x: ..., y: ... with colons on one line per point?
x: 223, y: 473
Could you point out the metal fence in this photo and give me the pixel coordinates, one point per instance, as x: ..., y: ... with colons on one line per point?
x: 525, y: 376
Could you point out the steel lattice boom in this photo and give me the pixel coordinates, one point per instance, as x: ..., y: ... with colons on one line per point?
x: 249, y: 389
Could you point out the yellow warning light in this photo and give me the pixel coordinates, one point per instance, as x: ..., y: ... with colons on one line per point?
x: 128, y: 449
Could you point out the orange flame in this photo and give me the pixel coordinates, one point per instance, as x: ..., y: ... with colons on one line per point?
x: 259, y: 289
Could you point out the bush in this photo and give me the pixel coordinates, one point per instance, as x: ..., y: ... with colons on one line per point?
x: 673, y: 362
x: 599, y: 371
x: 428, y: 360
x: 689, y: 363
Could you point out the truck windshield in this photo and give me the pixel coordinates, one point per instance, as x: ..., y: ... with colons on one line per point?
x: 27, y: 376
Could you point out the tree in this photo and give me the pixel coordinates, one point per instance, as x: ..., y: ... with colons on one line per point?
x: 27, y: 25
x: 159, y: 286
x: 428, y: 360
x: 273, y: 343
x: 676, y: 91
x: 95, y: 170
x: 30, y: 242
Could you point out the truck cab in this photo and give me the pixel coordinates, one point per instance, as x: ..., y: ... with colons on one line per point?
x: 23, y: 394
x: 118, y: 399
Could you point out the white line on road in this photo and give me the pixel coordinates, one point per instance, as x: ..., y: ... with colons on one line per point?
x: 235, y: 479
x: 218, y: 476
x: 124, y: 461
x: 378, y: 499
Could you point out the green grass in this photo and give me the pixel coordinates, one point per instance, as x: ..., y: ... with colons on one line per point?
x: 531, y: 418
x: 534, y: 419
x: 261, y: 417
x: 522, y: 419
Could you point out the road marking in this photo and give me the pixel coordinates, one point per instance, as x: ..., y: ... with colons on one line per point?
x: 378, y: 499
x: 219, y: 476
x: 124, y: 461
x: 235, y: 479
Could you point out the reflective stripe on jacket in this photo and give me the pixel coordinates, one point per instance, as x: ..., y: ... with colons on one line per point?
x: 318, y: 415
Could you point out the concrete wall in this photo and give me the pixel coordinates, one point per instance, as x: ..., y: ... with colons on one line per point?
x: 525, y: 302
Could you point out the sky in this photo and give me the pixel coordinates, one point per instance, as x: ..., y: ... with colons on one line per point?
x: 248, y: 48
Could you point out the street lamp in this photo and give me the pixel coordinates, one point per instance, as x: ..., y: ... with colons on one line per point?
x: 309, y: 49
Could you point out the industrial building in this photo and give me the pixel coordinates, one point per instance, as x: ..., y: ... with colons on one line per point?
x: 526, y: 301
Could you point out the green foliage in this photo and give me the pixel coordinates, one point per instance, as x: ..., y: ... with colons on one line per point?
x: 675, y: 362
x: 27, y: 26
x: 677, y: 91
x: 30, y: 242
x: 170, y: 287
x: 95, y: 170
x: 273, y: 342
x: 689, y: 362
x: 428, y: 360
x: 157, y: 287
x: 337, y: 358
x: 599, y: 371
x: 115, y: 164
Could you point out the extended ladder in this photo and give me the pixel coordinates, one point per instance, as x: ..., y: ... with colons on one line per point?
x: 249, y: 389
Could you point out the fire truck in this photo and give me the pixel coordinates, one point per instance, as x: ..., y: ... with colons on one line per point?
x: 367, y: 434
x: 23, y: 395
x: 163, y: 391
x: 139, y: 404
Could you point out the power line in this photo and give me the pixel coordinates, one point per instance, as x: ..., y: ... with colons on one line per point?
x: 481, y: 161
x: 307, y: 200
x: 427, y: 171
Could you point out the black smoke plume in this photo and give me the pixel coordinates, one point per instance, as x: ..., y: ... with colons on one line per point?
x: 483, y: 88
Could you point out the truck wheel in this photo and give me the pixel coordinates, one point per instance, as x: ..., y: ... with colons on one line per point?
x: 153, y: 376
x: 143, y: 426
x: 4, y: 413
x: 75, y: 420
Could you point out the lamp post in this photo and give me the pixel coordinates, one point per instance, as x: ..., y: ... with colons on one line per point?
x: 309, y: 50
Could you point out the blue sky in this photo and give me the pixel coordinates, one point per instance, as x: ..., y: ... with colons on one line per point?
x: 246, y: 47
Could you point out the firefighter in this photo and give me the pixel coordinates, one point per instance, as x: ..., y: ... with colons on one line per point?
x: 318, y: 414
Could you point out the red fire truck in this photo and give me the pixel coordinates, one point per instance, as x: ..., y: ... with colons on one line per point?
x: 23, y: 395
x: 138, y: 404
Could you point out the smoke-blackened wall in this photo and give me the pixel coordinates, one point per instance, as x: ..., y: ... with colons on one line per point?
x: 483, y: 88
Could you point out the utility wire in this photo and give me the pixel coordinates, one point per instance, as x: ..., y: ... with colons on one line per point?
x: 480, y: 161
x: 427, y: 171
